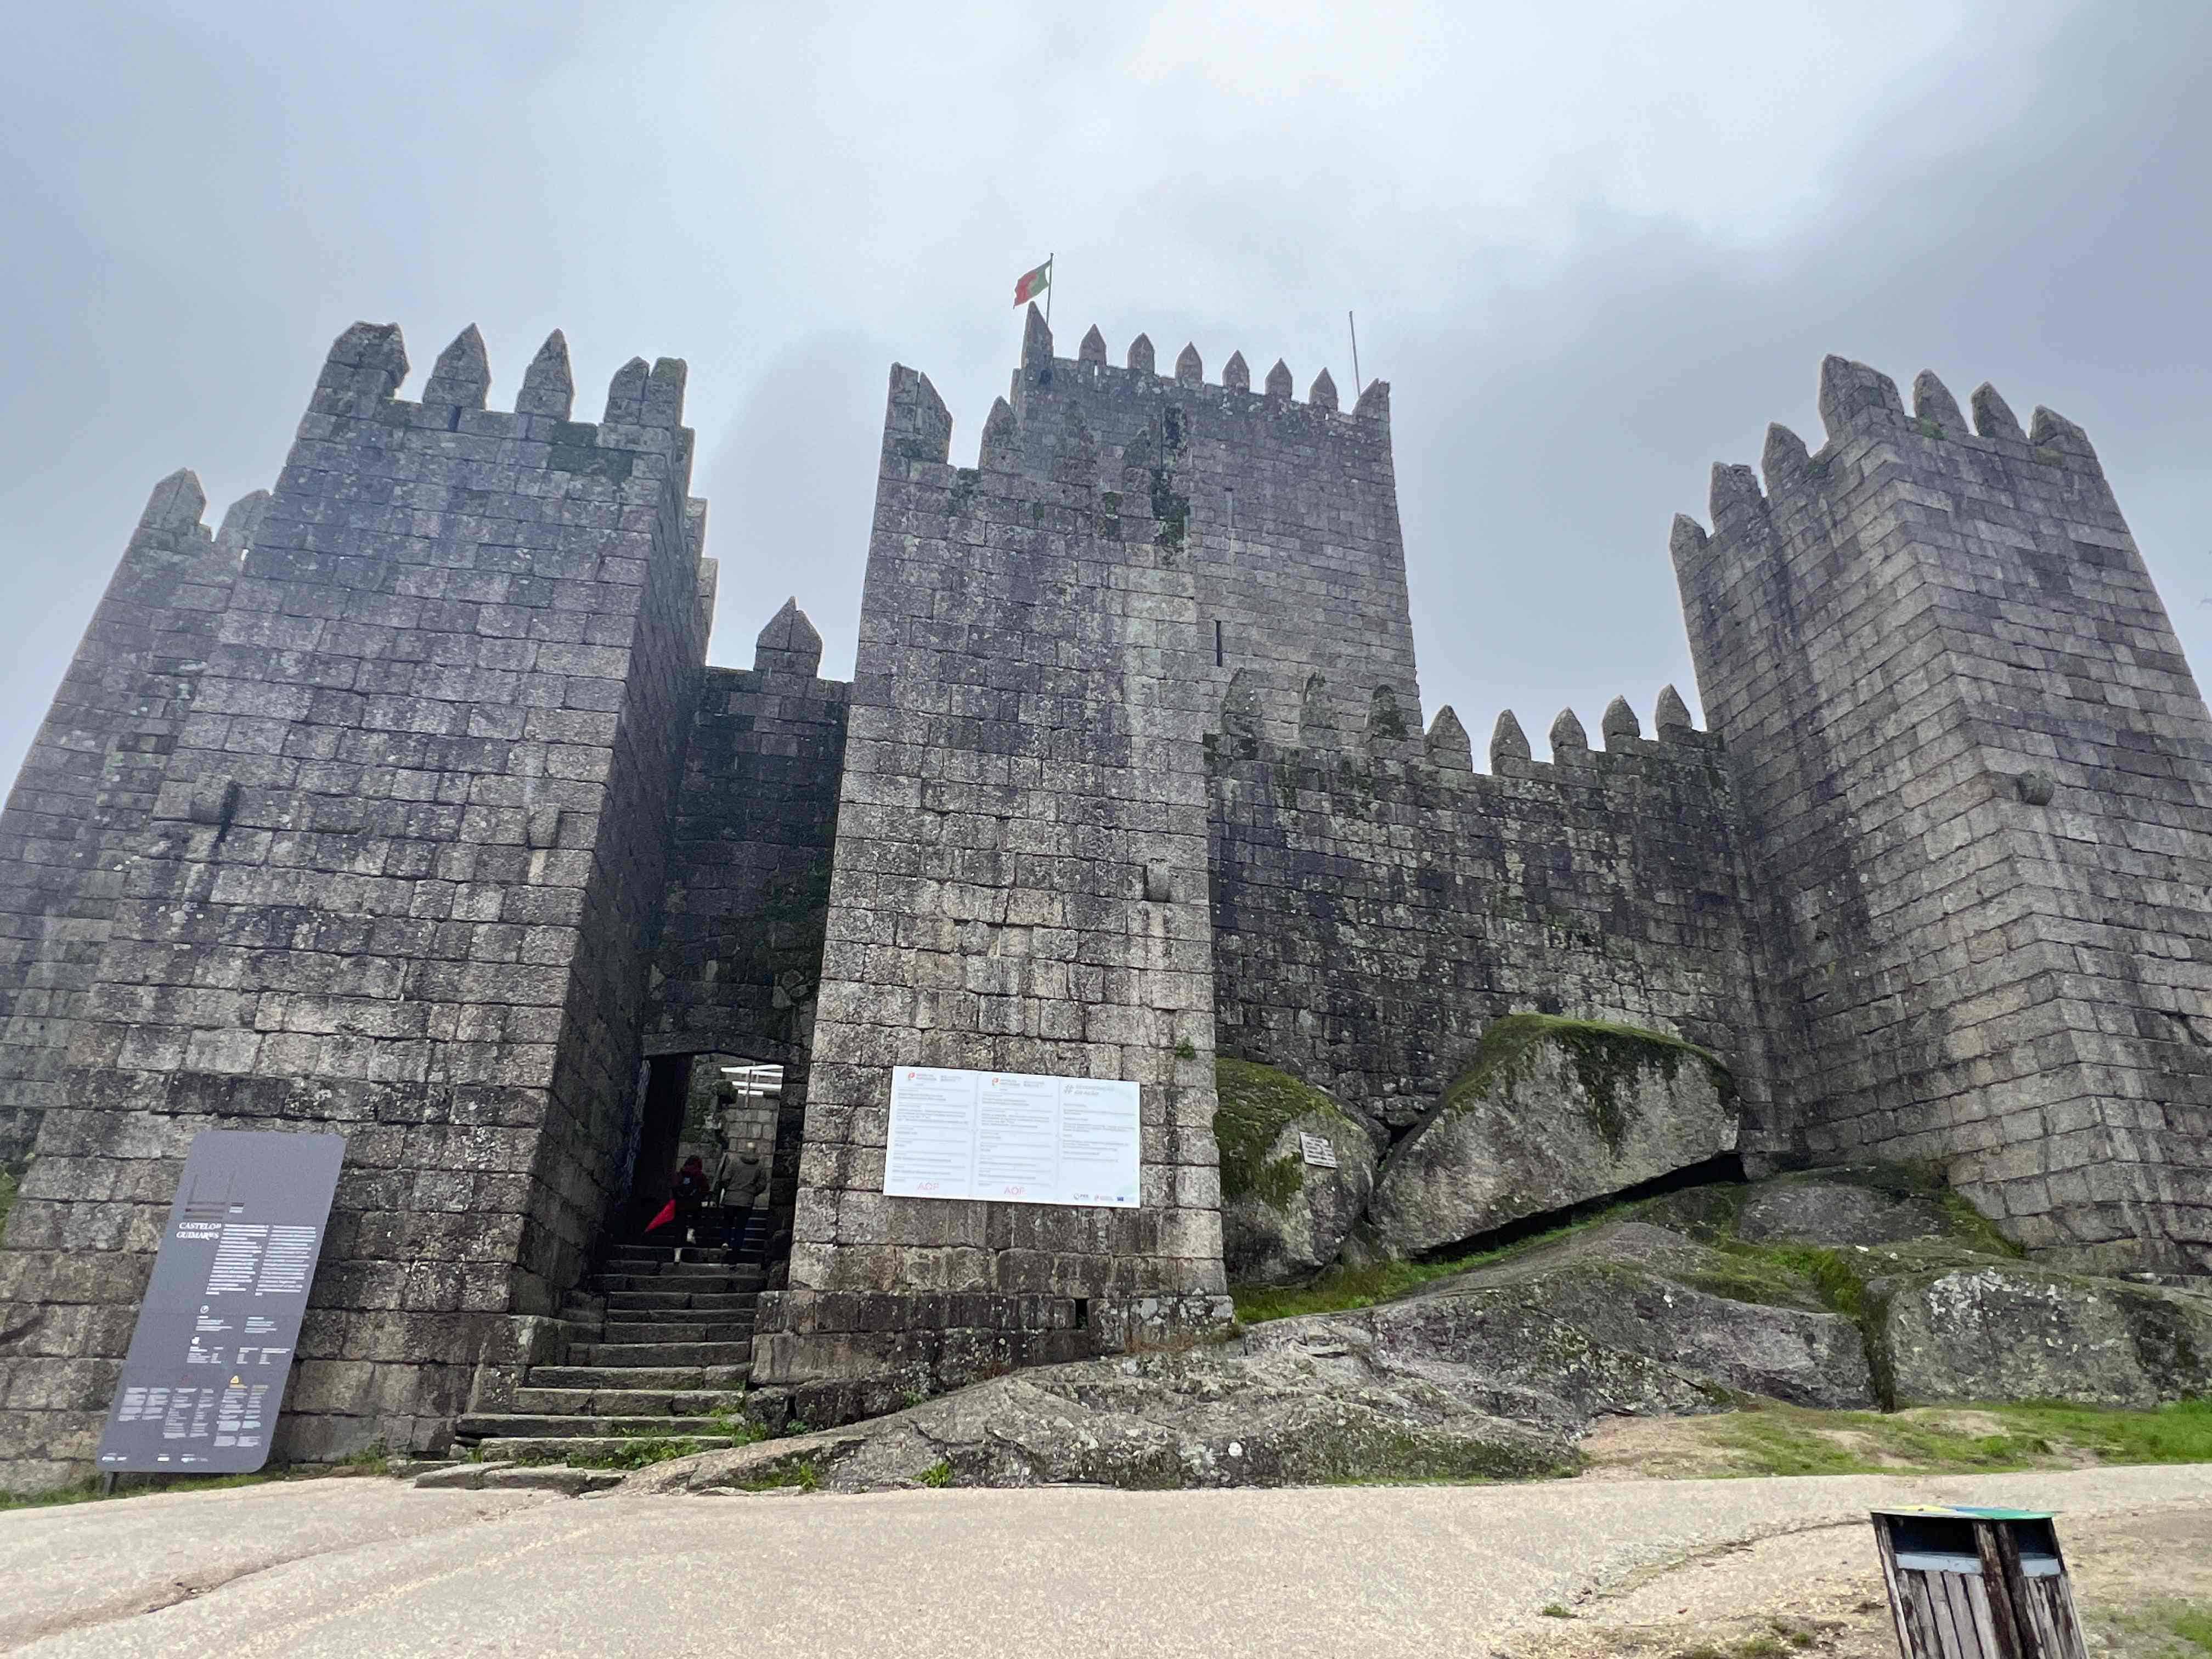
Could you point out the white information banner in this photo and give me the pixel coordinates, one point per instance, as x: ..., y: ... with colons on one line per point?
x: 1013, y: 1136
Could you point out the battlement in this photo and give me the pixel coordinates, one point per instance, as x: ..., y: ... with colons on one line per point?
x: 642, y: 417
x: 1866, y: 427
x: 1385, y: 735
x: 1285, y: 513
x: 1090, y: 368
x: 1377, y: 900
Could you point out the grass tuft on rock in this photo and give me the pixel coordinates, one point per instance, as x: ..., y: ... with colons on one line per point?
x: 1342, y: 1289
x: 1605, y: 1058
x: 1791, y: 1440
x: 1256, y: 1102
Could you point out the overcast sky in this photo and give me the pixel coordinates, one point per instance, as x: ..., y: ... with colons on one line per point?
x: 1593, y: 247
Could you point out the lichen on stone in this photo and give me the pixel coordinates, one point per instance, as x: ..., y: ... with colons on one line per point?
x: 1256, y: 1102
x: 1604, y: 1059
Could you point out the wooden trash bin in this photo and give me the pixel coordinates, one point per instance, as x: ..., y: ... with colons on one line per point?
x: 1977, y: 1584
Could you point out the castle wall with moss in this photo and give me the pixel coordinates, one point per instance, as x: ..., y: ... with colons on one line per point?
x: 406, y: 805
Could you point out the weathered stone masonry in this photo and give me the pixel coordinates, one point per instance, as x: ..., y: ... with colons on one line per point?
x: 1372, y: 915
x: 402, y: 873
x: 406, y: 805
x: 1976, y: 776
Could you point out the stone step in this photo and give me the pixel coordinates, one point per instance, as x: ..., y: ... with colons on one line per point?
x: 726, y: 1300
x: 715, y: 1378
x: 625, y: 1354
x: 676, y: 1330
x: 662, y: 1253
x: 511, y: 1426
x: 679, y: 1316
x: 527, y: 1449
x: 619, y: 1401
x: 682, y: 1284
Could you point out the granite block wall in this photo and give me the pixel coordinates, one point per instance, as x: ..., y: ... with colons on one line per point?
x: 81, y: 799
x: 1019, y: 884
x: 740, y: 956
x: 1285, y: 515
x: 401, y: 879
x: 1975, y: 774
x: 1372, y: 915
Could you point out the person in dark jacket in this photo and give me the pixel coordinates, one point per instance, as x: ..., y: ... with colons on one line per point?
x: 688, y: 1192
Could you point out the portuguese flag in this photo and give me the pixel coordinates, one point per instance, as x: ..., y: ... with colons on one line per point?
x: 1032, y: 284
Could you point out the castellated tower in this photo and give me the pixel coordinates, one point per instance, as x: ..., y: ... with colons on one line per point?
x: 1285, y: 513
x: 400, y: 780
x: 1975, y: 778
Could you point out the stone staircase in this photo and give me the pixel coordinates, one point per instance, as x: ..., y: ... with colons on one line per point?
x: 674, y: 1345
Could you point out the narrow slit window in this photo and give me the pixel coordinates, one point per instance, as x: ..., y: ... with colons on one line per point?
x: 1217, y: 642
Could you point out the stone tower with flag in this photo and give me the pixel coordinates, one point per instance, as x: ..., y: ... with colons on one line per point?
x: 407, y: 805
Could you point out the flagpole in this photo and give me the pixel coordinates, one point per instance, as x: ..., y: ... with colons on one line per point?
x: 1050, y: 273
x: 1354, y: 327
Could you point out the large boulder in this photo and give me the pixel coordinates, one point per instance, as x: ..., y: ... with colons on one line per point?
x: 1205, y: 1416
x: 1620, y: 1319
x: 2006, y: 1330
x: 1552, y: 1113
x: 1869, y: 1205
x: 1283, y: 1218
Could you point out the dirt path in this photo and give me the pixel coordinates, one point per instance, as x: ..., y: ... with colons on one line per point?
x: 2134, y: 1569
x: 341, y: 1570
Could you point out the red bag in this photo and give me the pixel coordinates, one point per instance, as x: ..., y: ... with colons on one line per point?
x: 667, y: 1214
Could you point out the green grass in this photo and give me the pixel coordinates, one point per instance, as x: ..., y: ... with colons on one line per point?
x: 1974, y: 1230
x: 1827, y: 1272
x: 642, y: 1450
x: 1343, y: 1288
x: 2176, y: 1630
x: 1789, y: 1440
x: 802, y: 1474
x: 939, y: 1474
x: 2193, y: 1624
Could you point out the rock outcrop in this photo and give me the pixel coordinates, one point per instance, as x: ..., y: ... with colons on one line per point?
x: 1995, y: 1330
x: 1283, y: 1218
x: 1669, y: 1308
x: 1552, y: 1113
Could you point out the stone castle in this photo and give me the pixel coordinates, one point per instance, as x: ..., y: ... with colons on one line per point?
x: 405, y: 805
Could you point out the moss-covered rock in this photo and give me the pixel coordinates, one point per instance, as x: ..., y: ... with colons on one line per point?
x: 1551, y: 1113
x: 2005, y: 1330
x: 1282, y: 1219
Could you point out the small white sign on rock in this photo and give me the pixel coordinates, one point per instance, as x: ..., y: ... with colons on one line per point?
x: 1318, y: 1152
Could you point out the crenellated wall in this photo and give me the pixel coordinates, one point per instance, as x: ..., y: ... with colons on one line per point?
x: 1373, y: 913
x: 1976, y: 777
x: 401, y: 879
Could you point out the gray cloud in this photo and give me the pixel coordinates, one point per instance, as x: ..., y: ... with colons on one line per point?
x: 1592, y: 251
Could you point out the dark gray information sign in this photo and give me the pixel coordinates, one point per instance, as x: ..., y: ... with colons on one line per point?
x: 209, y: 1360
